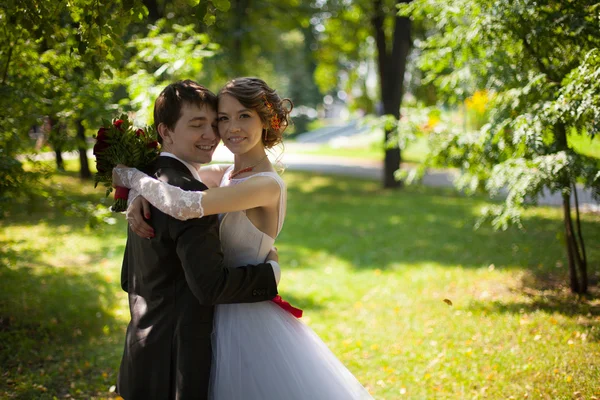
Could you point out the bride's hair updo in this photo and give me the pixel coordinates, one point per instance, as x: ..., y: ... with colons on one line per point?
x: 255, y: 94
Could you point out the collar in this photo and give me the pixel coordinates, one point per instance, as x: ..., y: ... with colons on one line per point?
x: 193, y: 170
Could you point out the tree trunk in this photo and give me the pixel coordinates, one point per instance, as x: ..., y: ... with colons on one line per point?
x: 240, y: 10
x: 575, y: 248
x: 582, y: 262
x: 392, y: 66
x: 60, y: 165
x: 55, y: 140
x: 154, y: 12
x: 569, y: 241
x: 84, y: 170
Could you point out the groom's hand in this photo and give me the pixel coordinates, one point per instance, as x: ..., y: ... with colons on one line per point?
x: 273, y: 256
x: 136, y: 212
x: 273, y: 259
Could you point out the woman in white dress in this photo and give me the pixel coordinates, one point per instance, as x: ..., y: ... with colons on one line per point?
x: 261, y: 350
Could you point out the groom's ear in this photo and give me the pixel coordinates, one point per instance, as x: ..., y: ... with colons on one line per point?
x: 165, y: 133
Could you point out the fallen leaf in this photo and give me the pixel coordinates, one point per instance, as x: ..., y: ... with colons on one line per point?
x: 447, y: 301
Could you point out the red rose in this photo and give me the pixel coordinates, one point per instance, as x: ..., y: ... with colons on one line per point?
x: 101, y: 142
x: 153, y: 144
x: 101, y: 136
x: 139, y: 133
x: 99, y: 147
x: 118, y: 123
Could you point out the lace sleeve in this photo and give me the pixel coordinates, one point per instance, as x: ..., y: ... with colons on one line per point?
x: 169, y: 199
x: 133, y: 194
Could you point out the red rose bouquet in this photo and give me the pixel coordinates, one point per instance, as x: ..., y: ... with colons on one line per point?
x: 120, y: 143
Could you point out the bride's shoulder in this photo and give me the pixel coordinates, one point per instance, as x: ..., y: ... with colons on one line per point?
x: 212, y: 174
x: 267, y: 183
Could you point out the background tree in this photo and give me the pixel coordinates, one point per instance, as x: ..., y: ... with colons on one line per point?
x: 274, y: 41
x: 83, y: 61
x: 540, y: 63
x: 350, y: 32
x: 39, y: 39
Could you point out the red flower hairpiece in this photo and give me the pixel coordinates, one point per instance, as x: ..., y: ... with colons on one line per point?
x: 275, y: 121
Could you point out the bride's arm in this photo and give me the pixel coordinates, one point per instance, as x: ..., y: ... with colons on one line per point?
x: 257, y: 192
x: 260, y: 191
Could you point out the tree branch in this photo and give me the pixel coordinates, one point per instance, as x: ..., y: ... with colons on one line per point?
x: 539, y: 62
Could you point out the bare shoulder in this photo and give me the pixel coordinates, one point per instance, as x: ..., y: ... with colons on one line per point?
x: 270, y: 184
x: 212, y: 174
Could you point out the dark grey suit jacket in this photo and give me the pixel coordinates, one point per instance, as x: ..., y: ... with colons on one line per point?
x: 173, y: 281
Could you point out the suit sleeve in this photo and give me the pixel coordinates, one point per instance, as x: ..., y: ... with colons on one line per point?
x: 199, y: 250
x: 125, y: 271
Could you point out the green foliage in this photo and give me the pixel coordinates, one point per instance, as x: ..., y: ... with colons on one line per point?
x: 539, y: 62
x: 346, y: 49
x: 52, y: 55
x: 271, y: 40
x: 165, y: 53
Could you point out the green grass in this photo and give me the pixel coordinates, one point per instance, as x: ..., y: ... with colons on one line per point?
x: 370, y: 268
x: 414, y: 153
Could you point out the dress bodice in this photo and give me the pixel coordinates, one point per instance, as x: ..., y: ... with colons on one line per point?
x: 242, y: 242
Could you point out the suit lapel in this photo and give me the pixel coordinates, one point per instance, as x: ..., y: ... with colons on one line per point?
x: 170, y: 162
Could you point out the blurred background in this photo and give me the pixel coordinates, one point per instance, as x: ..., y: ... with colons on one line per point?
x: 439, y: 151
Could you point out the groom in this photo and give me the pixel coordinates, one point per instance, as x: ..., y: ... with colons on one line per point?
x: 175, y: 279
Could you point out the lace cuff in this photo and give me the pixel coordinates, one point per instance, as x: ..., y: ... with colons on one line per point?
x: 133, y: 194
x: 169, y: 199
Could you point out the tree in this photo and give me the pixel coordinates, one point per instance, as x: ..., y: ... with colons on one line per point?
x: 41, y: 44
x: 272, y: 40
x: 233, y: 38
x: 540, y: 63
x: 350, y: 30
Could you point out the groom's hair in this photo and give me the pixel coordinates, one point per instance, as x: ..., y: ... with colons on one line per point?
x: 167, y: 107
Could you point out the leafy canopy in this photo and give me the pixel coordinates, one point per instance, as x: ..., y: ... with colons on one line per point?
x: 540, y: 62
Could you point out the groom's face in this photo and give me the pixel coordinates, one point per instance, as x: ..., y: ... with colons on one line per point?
x: 194, y: 137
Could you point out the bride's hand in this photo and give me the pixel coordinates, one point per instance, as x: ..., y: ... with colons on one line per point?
x: 136, y: 212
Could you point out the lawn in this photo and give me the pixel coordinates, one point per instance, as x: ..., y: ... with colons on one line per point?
x: 374, y: 272
x: 414, y: 153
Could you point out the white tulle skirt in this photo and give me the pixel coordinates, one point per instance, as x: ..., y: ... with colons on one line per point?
x: 262, y: 352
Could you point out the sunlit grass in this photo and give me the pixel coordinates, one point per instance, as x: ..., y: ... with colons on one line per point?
x: 414, y: 153
x: 371, y: 268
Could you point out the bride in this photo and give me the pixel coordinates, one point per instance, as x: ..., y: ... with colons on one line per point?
x: 261, y: 350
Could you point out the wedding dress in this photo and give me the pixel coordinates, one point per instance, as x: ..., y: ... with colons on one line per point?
x: 261, y: 351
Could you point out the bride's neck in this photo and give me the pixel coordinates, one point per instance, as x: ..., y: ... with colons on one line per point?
x: 248, y: 159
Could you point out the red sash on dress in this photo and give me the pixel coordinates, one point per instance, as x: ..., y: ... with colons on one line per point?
x: 296, y: 312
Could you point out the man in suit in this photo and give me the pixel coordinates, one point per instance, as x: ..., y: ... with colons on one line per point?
x: 175, y: 278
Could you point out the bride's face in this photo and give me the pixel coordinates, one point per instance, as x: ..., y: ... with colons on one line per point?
x: 240, y: 128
